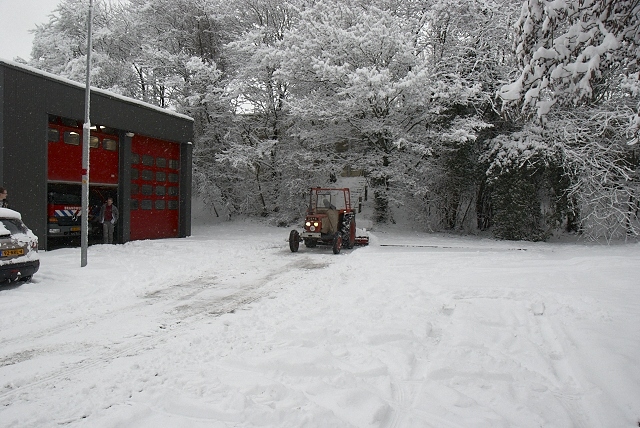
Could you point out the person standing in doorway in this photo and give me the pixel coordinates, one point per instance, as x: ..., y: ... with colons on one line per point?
x: 3, y: 198
x: 108, y: 218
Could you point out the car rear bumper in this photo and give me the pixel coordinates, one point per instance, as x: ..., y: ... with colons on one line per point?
x: 56, y: 231
x: 16, y: 271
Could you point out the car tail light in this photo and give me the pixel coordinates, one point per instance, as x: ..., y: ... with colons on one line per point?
x: 53, y: 219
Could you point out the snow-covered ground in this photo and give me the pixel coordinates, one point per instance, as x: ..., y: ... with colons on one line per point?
x: 228, y: 328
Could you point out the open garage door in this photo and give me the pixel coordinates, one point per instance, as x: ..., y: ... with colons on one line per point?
x: 64, y: 173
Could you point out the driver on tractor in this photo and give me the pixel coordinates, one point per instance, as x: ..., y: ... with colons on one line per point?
x: 333, y: 215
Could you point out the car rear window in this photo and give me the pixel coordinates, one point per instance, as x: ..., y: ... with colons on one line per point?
x: 13, y: 225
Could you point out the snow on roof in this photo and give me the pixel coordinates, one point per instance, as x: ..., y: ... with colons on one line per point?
x: 8, y: 213
x: 70, y: 82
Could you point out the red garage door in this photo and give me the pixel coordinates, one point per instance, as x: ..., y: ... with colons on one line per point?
x: 155, y: 184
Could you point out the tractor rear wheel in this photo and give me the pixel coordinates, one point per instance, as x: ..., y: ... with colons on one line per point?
x: 352, y: 234
x: 337, y: 243
x: 294, y: 241
x: 348, y: 230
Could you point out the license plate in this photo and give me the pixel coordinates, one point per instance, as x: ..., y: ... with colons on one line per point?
x: 16, y: 252
x: 75, y: 229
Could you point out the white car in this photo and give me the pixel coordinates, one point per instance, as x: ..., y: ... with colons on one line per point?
x: 19, y: 258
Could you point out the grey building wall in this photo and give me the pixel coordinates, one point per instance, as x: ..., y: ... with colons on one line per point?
x: 28, y: 97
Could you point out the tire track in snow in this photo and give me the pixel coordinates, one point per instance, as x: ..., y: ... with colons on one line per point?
x: 64, y: 326
x: 169, y: 293
x: 404, y: 406
x: 566, y: 375
x: 202, y: 283
x: 157, y: 254
x: 181, y: 318
x: 140, y: 343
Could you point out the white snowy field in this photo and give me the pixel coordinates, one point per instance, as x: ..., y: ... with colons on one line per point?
x: 228, y: 328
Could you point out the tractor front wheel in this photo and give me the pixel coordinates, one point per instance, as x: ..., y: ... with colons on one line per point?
x: 294, y: 241
x: 337, y: 243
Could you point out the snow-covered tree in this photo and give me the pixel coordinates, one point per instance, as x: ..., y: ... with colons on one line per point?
x: 288, y: 94
x: 605, y: 175
x: 579, y: 79
x: 577, y: 53
x: 255, y: 148
x: 60, y: 45
x: 358, y: 82
x: 141, y: 48
x: 467, y: 41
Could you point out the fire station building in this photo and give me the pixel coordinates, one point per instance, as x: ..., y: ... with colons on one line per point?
x: 140, y: 155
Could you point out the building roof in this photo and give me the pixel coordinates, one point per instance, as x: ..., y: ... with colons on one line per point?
x: 47, y: 75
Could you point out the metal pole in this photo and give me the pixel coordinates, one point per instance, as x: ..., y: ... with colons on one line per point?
x: 86, y: 131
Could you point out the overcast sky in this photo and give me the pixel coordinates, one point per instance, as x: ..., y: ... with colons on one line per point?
x: 17, y: 17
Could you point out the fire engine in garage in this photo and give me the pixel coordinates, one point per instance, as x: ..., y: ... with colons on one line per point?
x: 64, y: 209
x: 64, y: 190
x: 63, y: 212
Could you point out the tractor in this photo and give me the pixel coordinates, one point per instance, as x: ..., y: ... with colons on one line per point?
x: 330, y: 220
